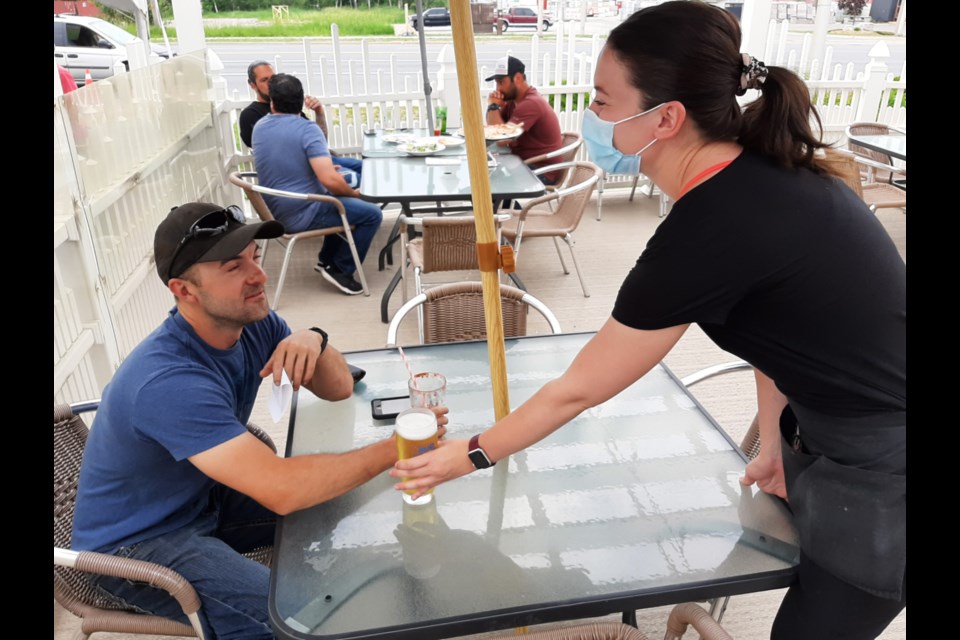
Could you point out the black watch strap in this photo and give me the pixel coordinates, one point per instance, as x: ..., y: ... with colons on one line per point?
x: 323, y: 334
x: 477, y: 455
x: 493, y: 107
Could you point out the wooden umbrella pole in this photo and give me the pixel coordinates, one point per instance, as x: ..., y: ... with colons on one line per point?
x: 487, y: 247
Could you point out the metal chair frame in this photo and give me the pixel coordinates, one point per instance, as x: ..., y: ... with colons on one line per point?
x: 442, y: 292
x: 255, y: 195
x: 71, y: 589
x: 560, y: 197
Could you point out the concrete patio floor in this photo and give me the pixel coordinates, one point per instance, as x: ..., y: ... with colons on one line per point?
x: 606, y: 251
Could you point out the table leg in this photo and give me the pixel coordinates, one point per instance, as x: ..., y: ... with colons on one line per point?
x: 385, y: 300
x: 630, y: 618
x: 386, y: 254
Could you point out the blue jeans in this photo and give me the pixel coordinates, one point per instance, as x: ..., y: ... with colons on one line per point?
x: 232, y: 589
x: 354, y: 164
x: 366, y: 217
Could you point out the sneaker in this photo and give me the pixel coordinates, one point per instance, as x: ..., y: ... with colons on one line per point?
x: 340, y: 280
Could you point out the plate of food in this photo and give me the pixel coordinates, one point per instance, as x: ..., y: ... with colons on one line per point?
x: 399, y: 138
x: 421, y: 147
x: 450, y: 141
x: 505, y: 131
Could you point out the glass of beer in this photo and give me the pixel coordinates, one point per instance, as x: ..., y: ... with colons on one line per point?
x: 416, y: 433
x: 427, y: 389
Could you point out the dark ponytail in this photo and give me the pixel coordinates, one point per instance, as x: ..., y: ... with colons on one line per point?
x: 689, y: 51
x: 778, y: 124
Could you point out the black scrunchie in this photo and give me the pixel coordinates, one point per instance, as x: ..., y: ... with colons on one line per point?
x: 753, y: 73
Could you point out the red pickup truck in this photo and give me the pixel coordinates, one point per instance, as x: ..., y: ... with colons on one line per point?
x: 523, y: 17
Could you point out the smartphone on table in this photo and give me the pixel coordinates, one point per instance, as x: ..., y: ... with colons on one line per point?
x: 388, y: 408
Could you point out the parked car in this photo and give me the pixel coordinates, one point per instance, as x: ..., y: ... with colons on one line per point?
x: 436, y: 17
x: 523, y: 17
x: 82, y: 42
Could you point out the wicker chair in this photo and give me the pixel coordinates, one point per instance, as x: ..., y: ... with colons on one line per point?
x: 71, y: 589
x: 691, y: 614
x: 888, y: 172
x: 446, y: 243
x: 454, y: 312
x: 877, y: 195
x: 593, y: 631
x: 537, y: 219
x: 243, y: 179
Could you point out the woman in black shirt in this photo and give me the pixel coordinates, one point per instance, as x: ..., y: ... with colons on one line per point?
x: 781, y: 264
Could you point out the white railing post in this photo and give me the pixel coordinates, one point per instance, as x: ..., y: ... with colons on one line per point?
x: 820, y: 27
x: 448, y: 92
x: 874, y: 79
x: 189, y: 18
x: 754, y: 18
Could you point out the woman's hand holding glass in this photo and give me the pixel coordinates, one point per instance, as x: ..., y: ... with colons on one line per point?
x: 424, y: 472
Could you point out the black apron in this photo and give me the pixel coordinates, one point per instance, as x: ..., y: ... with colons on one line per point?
x: 847, y: 488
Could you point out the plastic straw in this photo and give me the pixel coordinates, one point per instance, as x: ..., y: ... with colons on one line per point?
x: 406, y: 362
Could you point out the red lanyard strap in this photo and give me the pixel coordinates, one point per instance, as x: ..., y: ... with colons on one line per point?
x: 703, y: 174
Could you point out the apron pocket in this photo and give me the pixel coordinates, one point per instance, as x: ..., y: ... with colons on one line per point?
x: 851, y: 522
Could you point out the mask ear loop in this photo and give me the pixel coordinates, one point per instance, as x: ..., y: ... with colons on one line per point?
x: 646, y: 147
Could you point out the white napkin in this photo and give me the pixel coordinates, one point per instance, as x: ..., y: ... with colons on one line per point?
x: 280, y: 398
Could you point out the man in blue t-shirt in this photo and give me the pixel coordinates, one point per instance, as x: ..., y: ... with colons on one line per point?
x: 291, y: 154
x: 259, y: 73
x: 170, y: 473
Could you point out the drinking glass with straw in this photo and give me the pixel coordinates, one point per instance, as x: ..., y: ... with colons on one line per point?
x: 417, y: 430
x: 427, y: 389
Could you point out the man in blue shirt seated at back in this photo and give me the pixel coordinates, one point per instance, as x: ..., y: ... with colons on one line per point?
x: 259, y: 73
x: 291, y: 154
x: 170, y: 473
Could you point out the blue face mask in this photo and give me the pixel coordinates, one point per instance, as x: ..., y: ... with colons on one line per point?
x: 598, y: 134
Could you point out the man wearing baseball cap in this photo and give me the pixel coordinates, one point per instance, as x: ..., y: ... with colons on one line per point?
x: 517, y: 102
x: 170, y: 472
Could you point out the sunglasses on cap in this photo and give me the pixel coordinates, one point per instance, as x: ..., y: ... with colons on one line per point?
x: 210, y: 225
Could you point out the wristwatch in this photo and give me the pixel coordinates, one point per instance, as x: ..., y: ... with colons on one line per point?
x: 477, y: 455
x: 493, y: 107
x: 323, y: 334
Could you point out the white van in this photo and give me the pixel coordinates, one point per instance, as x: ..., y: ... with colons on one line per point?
x: 82, y: 42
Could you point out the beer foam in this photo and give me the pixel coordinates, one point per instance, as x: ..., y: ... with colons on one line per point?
x: 416, y: 425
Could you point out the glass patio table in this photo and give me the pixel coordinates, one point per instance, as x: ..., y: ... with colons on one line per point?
x: 409, y: 180
x: 636, y: 503
x: 893, y: 145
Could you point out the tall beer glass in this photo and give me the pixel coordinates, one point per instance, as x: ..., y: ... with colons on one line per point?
x: 416, y: 434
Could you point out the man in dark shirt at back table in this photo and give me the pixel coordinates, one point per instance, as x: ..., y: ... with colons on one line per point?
x: 258, y: 77
x: 517, y: 102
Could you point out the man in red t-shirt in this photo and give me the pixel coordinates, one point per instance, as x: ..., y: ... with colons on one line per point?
x: 517, y: 102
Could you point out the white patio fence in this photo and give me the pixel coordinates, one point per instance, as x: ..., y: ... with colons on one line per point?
x: 129, y: 148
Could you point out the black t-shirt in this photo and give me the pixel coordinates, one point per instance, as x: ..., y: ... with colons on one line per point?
x: 249, y: 117
x: 789, y: 271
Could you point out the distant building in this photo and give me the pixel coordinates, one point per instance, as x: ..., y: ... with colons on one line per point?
x: 76, y: 7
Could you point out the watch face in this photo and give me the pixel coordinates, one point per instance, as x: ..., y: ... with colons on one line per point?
x: 479, y: 459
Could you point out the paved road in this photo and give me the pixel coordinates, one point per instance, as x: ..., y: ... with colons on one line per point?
x: 289, y: 55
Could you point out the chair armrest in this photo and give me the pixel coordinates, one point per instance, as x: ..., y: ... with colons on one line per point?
x: 417, y: 223
x: 872, y: 165
x: 262, y: 436
x: 150, y: 573
x: 556, y: 153
x: 691, y: 614
x: 715, y: 370
x: 241, y: 179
